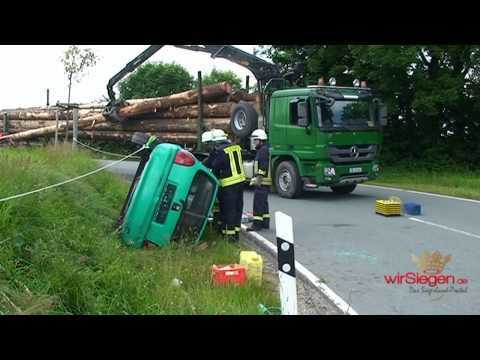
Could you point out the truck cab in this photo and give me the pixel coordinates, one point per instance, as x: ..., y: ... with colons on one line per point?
x: 323, y: 136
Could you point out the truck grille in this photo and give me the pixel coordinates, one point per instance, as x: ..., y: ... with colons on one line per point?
x: 344, y: 154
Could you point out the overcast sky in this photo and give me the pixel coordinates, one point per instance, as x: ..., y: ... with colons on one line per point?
x: 26, y: 71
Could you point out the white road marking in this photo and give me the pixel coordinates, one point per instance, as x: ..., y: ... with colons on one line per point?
x: 445, y: 227
x: 422, y: 193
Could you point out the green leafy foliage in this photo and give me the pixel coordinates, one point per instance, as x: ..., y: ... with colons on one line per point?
x: 75, y: 63
x: 156, y: 80
x: 218, y: 76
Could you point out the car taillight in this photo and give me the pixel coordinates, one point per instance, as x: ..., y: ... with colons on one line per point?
x: 184, y: 158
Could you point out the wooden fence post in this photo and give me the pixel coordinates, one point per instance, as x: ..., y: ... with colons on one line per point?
x: 56, y: 127
x: 67, y: 114
x: 75, y: 128
x: 5, y: 123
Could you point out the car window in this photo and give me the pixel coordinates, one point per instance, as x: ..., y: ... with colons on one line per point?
x: 196, y: 207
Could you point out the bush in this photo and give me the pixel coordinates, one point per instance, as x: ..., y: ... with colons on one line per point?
x: 218, y: 76
x: 156, y: 80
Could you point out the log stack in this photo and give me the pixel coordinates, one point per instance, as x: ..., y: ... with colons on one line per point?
x: 172, y: 118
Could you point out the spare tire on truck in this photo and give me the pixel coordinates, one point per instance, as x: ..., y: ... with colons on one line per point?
x: 244, y: 120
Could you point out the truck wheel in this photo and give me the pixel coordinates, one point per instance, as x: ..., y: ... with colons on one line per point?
x: 288, y: 183
x: 244, y: 120
x: 345, y: 189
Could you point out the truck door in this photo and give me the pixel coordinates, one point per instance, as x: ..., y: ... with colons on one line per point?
x: 301, y: 131
x: 278, y: 115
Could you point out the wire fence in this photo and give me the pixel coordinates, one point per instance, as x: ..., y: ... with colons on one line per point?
x: 102, y: 151
x: 71, y: 180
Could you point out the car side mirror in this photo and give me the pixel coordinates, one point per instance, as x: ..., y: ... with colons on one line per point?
x: 302, y: 113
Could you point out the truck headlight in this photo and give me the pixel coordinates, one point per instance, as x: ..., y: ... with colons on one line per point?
x: 329, y: 171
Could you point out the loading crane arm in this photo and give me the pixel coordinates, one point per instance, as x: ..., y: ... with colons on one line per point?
x: 261, y: 69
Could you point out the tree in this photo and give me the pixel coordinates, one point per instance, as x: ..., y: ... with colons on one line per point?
x: 432, y: 90
x: 320, y: 60
x: 156, y: 80
x: 75, y: 62
x: 218, y: 76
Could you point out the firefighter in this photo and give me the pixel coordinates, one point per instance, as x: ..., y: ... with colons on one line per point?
x: 262, y: 181
x: 226, y: 163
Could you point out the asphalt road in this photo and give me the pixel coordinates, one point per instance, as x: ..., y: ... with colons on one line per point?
x: 342, y: 241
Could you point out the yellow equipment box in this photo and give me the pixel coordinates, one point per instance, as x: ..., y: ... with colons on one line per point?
x: 254, y: 265
x: 388, y: 207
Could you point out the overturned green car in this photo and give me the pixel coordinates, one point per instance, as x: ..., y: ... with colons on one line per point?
x: 170, y: 199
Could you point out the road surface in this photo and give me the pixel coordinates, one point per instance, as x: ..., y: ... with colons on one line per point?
x: 342, y: 241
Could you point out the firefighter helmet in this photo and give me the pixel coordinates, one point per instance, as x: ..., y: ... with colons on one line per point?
x: 207, y: 136
x: 259, y: 134
x: 218, y: 135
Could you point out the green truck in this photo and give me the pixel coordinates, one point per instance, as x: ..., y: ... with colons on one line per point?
x: 323, y: 136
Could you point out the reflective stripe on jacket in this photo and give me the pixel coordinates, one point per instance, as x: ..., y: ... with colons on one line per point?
x: 261, y: 166
x: 228, y: 165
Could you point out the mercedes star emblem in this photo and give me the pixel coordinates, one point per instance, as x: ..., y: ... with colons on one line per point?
x: 354, y: 152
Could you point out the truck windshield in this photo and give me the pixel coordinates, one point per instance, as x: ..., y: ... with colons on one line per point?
x: 196, y: 207
x: 346, y: 114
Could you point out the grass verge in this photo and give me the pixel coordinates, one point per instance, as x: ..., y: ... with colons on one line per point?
x: 59, y: 253
x: 448, y: 182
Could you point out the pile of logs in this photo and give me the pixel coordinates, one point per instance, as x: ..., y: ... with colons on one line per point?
x: 172, y: 118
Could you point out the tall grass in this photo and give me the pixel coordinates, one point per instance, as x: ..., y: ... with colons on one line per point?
x: 454, y: 182
x: 59, y: 253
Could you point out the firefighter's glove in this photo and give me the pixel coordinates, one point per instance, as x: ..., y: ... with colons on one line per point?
x: 258, y: 180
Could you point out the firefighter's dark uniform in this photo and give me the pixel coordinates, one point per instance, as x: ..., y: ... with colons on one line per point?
x: 261, y: 214
x: 227, y: 166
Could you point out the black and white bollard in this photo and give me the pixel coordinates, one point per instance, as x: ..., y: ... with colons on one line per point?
x: 286, y: 263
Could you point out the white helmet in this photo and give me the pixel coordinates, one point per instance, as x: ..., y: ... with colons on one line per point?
x: 218, y: 135
x: 259, y: 134
x: 207, y: 136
